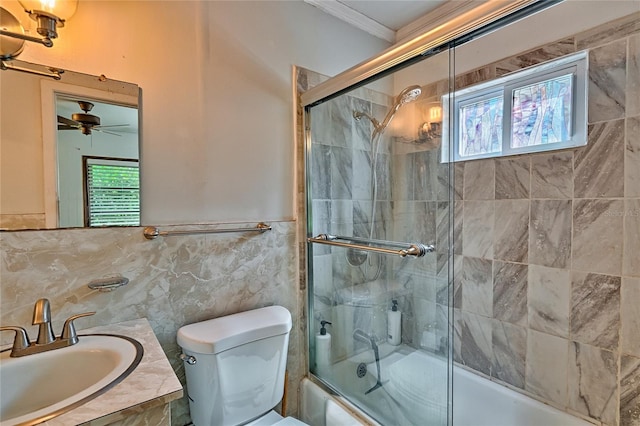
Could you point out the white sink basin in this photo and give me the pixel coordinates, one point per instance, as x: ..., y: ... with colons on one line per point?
x: 35, y: 388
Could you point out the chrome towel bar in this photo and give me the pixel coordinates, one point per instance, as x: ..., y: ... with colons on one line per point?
x: 151, y: 232
x: 405, y: 249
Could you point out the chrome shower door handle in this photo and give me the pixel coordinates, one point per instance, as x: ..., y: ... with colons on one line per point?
x: 377, y: 246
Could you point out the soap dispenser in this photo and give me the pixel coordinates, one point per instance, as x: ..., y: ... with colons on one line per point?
x: 323, y: 348
x: 394, y: 322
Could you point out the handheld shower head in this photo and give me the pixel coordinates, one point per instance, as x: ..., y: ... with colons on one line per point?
x: 408, y: 95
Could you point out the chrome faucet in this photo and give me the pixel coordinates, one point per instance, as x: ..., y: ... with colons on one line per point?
x: 46, y: 340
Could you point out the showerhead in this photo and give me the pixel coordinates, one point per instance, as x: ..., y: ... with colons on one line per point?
x: 408, y: 95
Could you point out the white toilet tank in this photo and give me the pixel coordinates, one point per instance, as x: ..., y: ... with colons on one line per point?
x: 239, y: 368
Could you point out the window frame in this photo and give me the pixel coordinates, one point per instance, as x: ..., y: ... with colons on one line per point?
x: 575, y: 64
x: 108, y: 161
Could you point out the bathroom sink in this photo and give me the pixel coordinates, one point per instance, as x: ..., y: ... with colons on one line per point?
x: 38, y: 387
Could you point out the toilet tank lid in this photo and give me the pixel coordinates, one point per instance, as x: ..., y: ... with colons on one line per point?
x: 223, y: 333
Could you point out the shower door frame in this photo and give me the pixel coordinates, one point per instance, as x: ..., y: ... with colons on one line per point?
x: 465, y: 23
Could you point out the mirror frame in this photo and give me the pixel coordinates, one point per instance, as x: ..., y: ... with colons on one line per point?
x: 49, y: 90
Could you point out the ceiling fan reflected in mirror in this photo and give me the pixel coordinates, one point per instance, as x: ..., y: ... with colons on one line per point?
x: 86, y: 122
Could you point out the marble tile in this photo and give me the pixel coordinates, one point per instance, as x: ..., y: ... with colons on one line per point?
x: 445, y: 189
x: 552, y: 175
x: 599, y: 166
x: 362, y: 218
x: 512, y: 177
x: 447, y: 282
x: 456, y: 341
x: 633, y: 76
x: 477, y: 229
x: 424, y: 222
x: 341, y: 121
x: 473, y: 77
x: 632, y: 158
x: 511, y: 237
x: 475, y: 334
x: 630, y: 316
x: 320, y: 171
x: 631, y: 251
x: 458, y: 180
x: 595, y: 309
x: 509, y: 347
x: 548, y: 299
x: 360, y: 129
x: 361, y: 179
x: 629, y: 391
x: 536, y: 56
x: 598, y: 236
x: 550, y: 233
x: 341, y: 173
x: 546, y: 369
x: 458, y: 221
x: 320, y: 119
x: 609, y: 32
x: 607, y: 82
x: 510, y: 292
x: 403, y: 180
x: 383, y: 177
x: 592, y: 379
x: 479, y: 180
x: 477, y: 286
x: 320, y: 224
x: 443, y: 226
x: 425, y: 169
x: 157, y: 416
x: 341, y: 217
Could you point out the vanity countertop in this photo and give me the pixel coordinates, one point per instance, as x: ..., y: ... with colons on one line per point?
x: 153, y: 382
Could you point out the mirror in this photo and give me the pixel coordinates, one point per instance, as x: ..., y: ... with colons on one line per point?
x: 69, y: 151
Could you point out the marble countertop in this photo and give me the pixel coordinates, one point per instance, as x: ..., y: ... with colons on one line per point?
x: 152, y: 383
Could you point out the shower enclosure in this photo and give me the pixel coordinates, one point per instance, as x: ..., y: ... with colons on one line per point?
x: 420, y: 256
x: 379, y: 224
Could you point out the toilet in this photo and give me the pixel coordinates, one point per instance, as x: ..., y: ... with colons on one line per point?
x: 235, y: 368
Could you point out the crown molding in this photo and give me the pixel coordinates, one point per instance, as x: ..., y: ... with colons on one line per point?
x: 434, y: 18
x: 355, y: 18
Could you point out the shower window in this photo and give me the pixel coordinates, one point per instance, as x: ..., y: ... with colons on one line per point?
x: 541, y: 108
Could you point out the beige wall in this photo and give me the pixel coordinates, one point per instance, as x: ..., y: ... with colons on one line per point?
x: 216, y: 146
x: 217, y: 102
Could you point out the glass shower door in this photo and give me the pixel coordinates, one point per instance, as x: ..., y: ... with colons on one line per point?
x: 380, y: 203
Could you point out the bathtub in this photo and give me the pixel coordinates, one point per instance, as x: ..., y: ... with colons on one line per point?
x: 414, y: 392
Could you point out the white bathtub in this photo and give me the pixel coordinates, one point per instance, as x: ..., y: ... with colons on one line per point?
x: 415, y: 393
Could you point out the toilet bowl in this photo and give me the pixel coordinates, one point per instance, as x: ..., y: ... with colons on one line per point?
x: 235, y: 368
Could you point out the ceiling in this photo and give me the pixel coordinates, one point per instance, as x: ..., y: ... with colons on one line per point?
x: 393, y: 14
x: 385, y: 19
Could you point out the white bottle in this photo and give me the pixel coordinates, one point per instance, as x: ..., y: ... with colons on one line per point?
x: 323, y: 349
x: 394, y: 322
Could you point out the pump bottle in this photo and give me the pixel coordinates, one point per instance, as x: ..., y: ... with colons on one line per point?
x: 323, y: 348
x: 394, y: 323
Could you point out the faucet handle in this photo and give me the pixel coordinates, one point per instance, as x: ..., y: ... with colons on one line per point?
x: 69, y: 329
x: 21, y: 341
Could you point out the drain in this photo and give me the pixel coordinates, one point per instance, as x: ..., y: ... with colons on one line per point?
x: 361, y: 370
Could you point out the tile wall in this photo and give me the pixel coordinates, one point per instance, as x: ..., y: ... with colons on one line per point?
x: 547, y: 246
x: 173, y: 281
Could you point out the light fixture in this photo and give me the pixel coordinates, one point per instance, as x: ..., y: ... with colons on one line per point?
x: 49, y: 15
x: 432, y: 128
